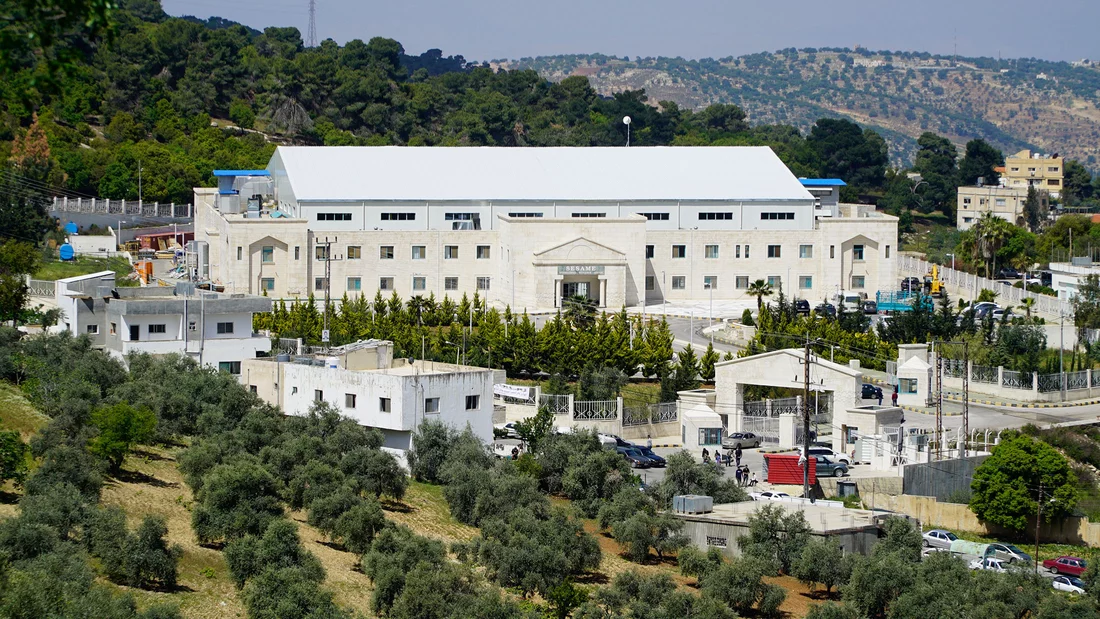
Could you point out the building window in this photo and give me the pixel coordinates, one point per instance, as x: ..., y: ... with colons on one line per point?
x: 710, y: 282
x: 450, y: 252
x: 398, y: 216
x: 857, y: 252
x: 1052, y: 169
x: 231, y: 367
x: 419, y: 283
x: 715, y: 216
x: 355, y: 283
x: 832, y: 252
x: 253, y: 389
x: 355, y: 252
x: 805, y: 282
x: 887, y: 251
x: 737, y: 251
x: 775, y: 251
x: 267, y: 254
x: 746, y: 252
x: 192, y: 325
x: 710, y: 252
x: 679, y: 251
x: 418, y: 252
x: 999, y: 201
x: 857, y: 282
x: 967, y: 220
x: 710, y: 436
x: 966, y: 201
x: 473, y: 402
x: 450, y: 283
x: 650, y: 282
x: 679, y: 282
x: 483, y: 283
x: 385, y: 283
x: 431, y: 405
x: 162, y: 329
x: 334, y: 217
x: 525, y: 214
x: 1053, y: 182
x: 776, y: 216
x: 805, y: 251
x: 93, y: 329
x: 742, y: 282
x: 267, y: 283
x: 655, y: 216
x: 385, y: 252
x: 649, y: 253
x: 349, y: 400
x: 225, y: 328
x: 383, y: 405
x: 318, y: 395
x: 907, y: 385
x: 240, y: 253
x: 297, y: 252
x: 320, y: 283
x: 482, y: 252
x: 775, y: 281
x: 114, y: 328
x: 593, y: 215
x: 1015, y: 169
x: 321, y: 252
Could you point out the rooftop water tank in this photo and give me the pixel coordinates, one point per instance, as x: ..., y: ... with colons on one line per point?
x: 332, y: 362
x: 282, y: 357
x: 71, y: 228
x: 66, y: 252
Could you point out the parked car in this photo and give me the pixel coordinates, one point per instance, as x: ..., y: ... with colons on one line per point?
x: 1069, y: 584
x: 1000, y: 314
x: 744, y: 440
x: 938, y: 538
x: 1070, y: 566
x: 802, y: 306
x: 871, y: 392
x: 770, y: 495
x: 827, y: 468
x: 1007, y: 273
x: 1010, y: 553
x: 988, y: 563
x: 870, y: 307
x: 828, y: 310
x: 983, y: 308
x: 1033, y: 281
x: 509, y: 429
x: 930, y: 550
x: 634, y: 457
x: 911, y: 284
x: 827, y: 452
x: 658, y: 461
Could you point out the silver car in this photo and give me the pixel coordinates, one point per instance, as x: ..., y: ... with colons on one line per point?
x: 1010, y: 553
x: 938, y: 538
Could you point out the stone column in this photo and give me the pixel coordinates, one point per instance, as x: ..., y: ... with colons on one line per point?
x: 557, y: 291
x: 603, y: 291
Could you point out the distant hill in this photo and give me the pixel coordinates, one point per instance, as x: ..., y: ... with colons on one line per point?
x: 1014, y: 104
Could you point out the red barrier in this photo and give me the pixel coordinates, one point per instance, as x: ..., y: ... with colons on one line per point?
x: 784, y: 469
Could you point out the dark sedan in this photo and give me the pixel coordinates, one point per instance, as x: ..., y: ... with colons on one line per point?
x: 870, y: 307
x: 658, y: 461
x: 802, y: 306
x: 827, y: 310
x: 871, y: 392
x: 636, y: 459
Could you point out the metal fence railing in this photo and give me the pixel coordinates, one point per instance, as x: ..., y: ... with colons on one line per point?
x: 1005, y: 293
x: 954, y: 368
x: 1077, y: 380
x: 598, y: 410
x: 122, y: 207
x: 983, y: 374
x: 650, y: 413
x: 1016, y: 380
x: 556, y: 404
x: 1050, y: 382
x: 41, y: 288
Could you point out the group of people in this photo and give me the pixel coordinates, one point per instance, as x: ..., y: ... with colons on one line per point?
x: 732, y: 457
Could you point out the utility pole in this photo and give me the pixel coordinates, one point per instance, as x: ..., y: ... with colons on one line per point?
x: 806, y: 422
x: 1038, y: 519
x: 966, y: 398
x: 1061, y: 351
x: 328, y: 286
x: 939, y: 407
x: 139, y: 181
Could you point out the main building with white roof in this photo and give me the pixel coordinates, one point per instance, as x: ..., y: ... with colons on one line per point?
x: 526, y: 227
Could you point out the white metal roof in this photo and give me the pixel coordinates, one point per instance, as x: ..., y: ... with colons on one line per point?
x: 733, y: 173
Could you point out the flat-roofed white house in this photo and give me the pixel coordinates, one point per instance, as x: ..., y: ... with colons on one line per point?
x: 526, y: 227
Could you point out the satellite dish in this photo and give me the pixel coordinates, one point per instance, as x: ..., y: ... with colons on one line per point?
x: 626, y: 120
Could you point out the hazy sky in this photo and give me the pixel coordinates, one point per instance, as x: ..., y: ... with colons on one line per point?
x: 487, y: 29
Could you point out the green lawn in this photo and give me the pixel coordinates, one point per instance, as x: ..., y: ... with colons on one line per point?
x: 16, y: 413
x: 55, y: 269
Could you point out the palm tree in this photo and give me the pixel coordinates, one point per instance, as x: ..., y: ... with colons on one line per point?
x: 1028, y: 303
x: 990, y: 233
x: 760, y: 289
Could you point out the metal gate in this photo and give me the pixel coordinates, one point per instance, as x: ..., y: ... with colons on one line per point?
x: 767, y: 428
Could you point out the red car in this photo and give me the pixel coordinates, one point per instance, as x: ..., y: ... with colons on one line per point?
x: 1071, y: 566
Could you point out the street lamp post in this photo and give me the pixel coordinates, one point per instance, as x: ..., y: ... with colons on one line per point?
x: 118, y: 234
x: 710, y: 312
x: 952, y: 260
x: 664, y: 299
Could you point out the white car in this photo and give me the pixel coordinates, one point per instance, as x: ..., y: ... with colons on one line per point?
x: 938, y: 538
x: 989, y: 563
x: 508, y: 428
x: 842, y: 458
x: 769, y: 495
x: 1069, y: 584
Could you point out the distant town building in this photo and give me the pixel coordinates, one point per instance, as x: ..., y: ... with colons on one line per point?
x: 214, y: 329
x: 1026, y: 169
x: 364, y: 382
x: 1004, y: 202
x: 1067, y: 277
x: 527, y: 227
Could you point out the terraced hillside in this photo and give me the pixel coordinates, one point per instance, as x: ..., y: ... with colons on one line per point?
x: 1018, y: 103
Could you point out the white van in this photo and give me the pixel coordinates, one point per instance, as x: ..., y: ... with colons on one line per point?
x: 851, y: 301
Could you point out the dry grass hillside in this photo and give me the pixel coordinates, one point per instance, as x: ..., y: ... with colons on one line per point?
x: 1015, y: 104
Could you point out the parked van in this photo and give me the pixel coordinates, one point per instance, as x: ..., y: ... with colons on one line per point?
x: 850, y: 301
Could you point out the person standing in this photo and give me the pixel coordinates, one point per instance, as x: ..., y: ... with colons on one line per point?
x: 729, y: 456
x: 737, y: 454
x: 880, y: 397
x: 648, y: 441
x: 706, y: 455
x: 718, y: 457
x: 894, y: 396
x: 737, y: 475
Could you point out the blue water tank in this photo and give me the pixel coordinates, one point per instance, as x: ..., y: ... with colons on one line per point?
x: 67, y: 252
x: 71, y: 228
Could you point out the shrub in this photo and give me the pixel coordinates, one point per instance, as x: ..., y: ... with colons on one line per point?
x: 278, y: 548
x: 746, y: 318
x: 358, y: 526
x: 121, y: 426
x: 13, y: 457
